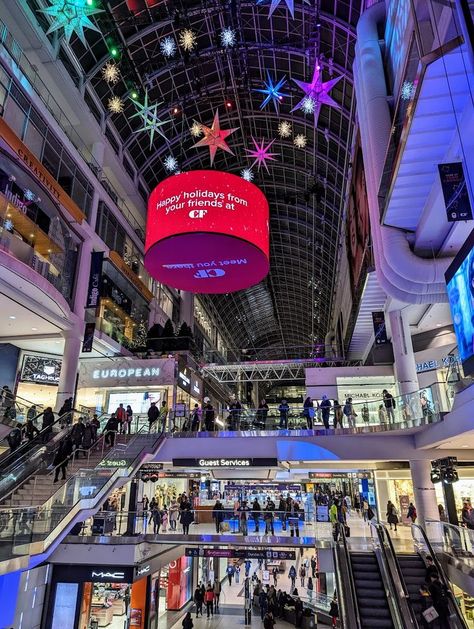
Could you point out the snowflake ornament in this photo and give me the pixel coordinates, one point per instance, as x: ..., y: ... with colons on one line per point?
x: 29, y: 195
x: 247, y: 174
x: 408, y: 90
x: 196, y: 129
x: 8, y: 224
x: 284, y: 129
x: 308, y: 105
x: 168, y: 47
x: 170, y: 163
x: 110, y: 73
x: 300, y: 141
x: 228, y: 37
x: 72, y: 16
x: 187, y: 39
x: 115, y: 105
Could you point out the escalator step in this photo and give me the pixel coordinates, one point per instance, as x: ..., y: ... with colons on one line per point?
x: 372, y: 602
x: 378, y: 623
x: 374, y: 612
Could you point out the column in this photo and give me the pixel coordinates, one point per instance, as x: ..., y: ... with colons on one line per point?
x: 69, y: 367
x: 405, y: 364
x: 82, y: 278
x: 424, y: 491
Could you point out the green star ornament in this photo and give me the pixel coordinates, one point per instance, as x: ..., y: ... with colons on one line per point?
x: 72, y: 16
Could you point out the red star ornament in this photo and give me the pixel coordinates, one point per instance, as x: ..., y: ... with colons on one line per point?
x: 214, y: 137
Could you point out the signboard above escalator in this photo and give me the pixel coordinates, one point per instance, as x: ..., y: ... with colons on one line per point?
x: 41, y: 370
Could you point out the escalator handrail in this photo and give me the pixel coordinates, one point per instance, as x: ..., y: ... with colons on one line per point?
x: 441, y: 573
x: 394, y: 557
x: 351, y: 577
x: 393, y: 599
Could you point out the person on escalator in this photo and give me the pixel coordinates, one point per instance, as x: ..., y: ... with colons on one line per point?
x: 14, y: 438
x: 30, y: 430
x: 32, y: 412
x: 467, y: 516
x: 61, y: 458
x: 439, y: 595
x: 65, y: 412
x: 46, y: 426
x: 111, y: 427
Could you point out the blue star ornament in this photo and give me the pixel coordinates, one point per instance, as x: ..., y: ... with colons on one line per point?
x: 72, y: 16
x: 289, y: 3
x: 272, y: 91
x: 149, y: 115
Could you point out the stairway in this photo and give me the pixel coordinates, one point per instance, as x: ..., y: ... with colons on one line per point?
x: 38, y: 489
x: 370, y: 592
x: 413, y: 570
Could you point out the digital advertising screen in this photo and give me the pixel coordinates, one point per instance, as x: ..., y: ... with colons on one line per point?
x: 460, y: 287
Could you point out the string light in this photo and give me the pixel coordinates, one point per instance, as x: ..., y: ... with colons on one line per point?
x: 115, y: 105
x: 284, y: 129
x: 187, y: 39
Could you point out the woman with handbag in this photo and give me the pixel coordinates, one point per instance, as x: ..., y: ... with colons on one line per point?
x: 392, y: 515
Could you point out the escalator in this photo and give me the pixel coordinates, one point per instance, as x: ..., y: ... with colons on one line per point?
x: 374, y: 610
x: 413, y: 572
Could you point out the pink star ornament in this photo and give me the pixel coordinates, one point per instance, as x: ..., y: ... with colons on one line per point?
x: 214, y: 137
x: 261, y: 153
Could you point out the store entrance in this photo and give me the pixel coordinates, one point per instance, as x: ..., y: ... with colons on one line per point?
x: 106, y: 605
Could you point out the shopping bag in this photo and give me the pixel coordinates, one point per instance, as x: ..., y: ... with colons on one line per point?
x: 225, y: 527
x: 430, y: 614
x: 347, y: 531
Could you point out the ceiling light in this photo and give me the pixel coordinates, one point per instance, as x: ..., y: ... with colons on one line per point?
x: 465, y: 446
x: 438, y: 325
x: 57, y: 342
x: 34, y: 329
x: 12, y: 317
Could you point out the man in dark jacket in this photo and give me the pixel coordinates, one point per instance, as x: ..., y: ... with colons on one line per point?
x: 284, y: 410
x: 218, y: 515
x: 198, y: 600
x: 46, y: 426
x: 325, y: 407
x: 389, y: 404
x: 209, y: 417
x: 153, y: 414
x: 111, y: 427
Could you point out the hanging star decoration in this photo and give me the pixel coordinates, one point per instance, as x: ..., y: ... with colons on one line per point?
x: 272, y: 91
x: 300, y: 141
x: 214, y: 137
x: 110, y: 73
x: 284, y: 129
x: 168, y: 47
x: 318, y: 92
x: 196, y: 129
x: 247, y: 174
x: 289, y: 3
x: 170, y: 163
x: 115, y: 105
x: 261, y: 153
x: 228, y: 37
x: 149, y: 115
x: 187, y: 39
x: 72, y: 16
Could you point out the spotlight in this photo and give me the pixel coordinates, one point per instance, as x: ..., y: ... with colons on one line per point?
x: 450, y: 476
x: 229, y: 104
x: 436, y: 476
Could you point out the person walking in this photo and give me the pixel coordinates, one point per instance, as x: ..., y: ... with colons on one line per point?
x: 292, y: 577
x: 217, y: 594
x: 325, y: 407
x: 263, y: 603
x: 338, y: 415
x: 186, y: 519
x: 411, y: 513
x: 120, y: 415
x: 268, y: 517
x: 256, y: 511
x: 218, y: 515
x: 308, y: 412
x: 284, y: 411
x: 392, y: 515
x: 195, y: 418
x: 61, y: 460
x: 389, y: 403
x: 128, y: 419
x: 173, y: 514
x: 156, y: 519
x: 110, y: 430
x: 209, y: 600
x: 230, y: 573
x: 243, y: 511
x: 198, y: 600
x: 349, y: 412
x: 310, y: 588
x: 187, y: 621
x: 275, y: 576
x: 153, y: 414
x: 302, y: 575
x: 88, y: 438
x: 47, y: 424
x: 209, y: 416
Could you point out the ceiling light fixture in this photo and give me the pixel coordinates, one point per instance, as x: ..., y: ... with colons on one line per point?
x: 12, y: 317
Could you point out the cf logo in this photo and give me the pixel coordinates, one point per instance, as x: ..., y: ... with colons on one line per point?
x: 199, y: 275
x: 197, y: 213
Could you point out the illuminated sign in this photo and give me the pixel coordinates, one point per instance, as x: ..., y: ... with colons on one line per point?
x: 444, y: 363
x: 240, y: 553
x: 207, y: 232
x: 119, y: 373
x: 184, y: 376
x: 237, y: 462
x: 116, y: 576
x: 144, y: 570
x: 40, y: 369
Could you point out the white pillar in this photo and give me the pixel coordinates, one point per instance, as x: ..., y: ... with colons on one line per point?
x: 424, y: 491
x: 69, y: 367
x: 82, y: 281
x: 405, y: 364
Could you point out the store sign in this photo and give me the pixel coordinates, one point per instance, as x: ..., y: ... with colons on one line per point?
x: 207, y: 232
x: 143, y: 571
x: 196, y: 387
x: 184, y: 376
x: 237, y: 462
x: 240, y: 553
x: 95, y: 279
x: 88, y: 340
x: 380, y: 331
x: 444, y: 363
x: 103, y: 576
x: 122, y: 373
x: 96, y: 573
x: 150, y: 472
x: 116, y: 462
x: 41, y: 370
x: 329, y: 475
x: 455, y: 193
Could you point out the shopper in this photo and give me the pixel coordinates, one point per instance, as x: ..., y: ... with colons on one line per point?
x: 47, y: 424
x: 262, y: 414
x: 292, y: 577
x: 230, y: 573
x: 308, y: 412
x: 195, y: 418
x: 187, y: 622
x: 186, y: 518
x: 61, y: 458
x: 218, y: 515
x: 235, y: 414
x: 412, y: 512
x: 389, y: 403
x: 120, y: 415
x: 338, y: 414
x: 268, y: 517
x: 275, y: 576
x: 302, y: 575
x: 65, y: 412
x: 217, y: 593
x: 198, y: 600
x: 209, y: 600
x: 30, y: 431
x: 173, y: 514
x: 256, y: 511
x: 263, y: 603
x: 310, y: 588
x: 313, y: 567
x: 334, y: 610
x: 325, y: 407
x: 467, y: 515
x: 77, y: 434
x: 237, y: 573
x: 110, y: 430
x: 32, y: 412
x: 95, y: 423
x: 268, y: 621
x: 382, y: 414
x: 298, y: 611
x: 128, y: 419
x: 439, y: 595
x: 392, y: 515
x: 153, y: 414
x: 156, y: 519
x: 209, y: 416
x: 349, y: 412
x: 243, y: 512
x: 14, y: 438
x: 284, y: 410
x: 88, y: 438
x: 164, y: 415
